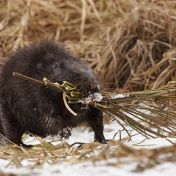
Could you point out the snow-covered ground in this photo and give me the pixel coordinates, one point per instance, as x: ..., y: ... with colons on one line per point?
x: 98, y: 168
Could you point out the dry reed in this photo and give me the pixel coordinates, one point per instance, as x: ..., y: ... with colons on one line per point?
x: 140, y: 49
x: 130, y: 44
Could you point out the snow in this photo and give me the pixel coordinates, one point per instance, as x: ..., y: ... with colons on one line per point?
x: 90, y: 169
x: 95, y: 97
x: 98, y: 168
x: 121, y: 95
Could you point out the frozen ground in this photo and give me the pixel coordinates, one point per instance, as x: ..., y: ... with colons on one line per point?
x: 99, y: 168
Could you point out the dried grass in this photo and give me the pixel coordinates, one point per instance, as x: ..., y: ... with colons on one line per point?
x: 140, y: 50
x: 7, y: 174
x: 130, y: 44
x: 118, y: 153
x: 56, y: 19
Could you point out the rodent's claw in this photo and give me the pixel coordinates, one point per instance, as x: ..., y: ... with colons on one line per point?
x: 102, y: 141
x: 65, y: 133
x: 26, y: 146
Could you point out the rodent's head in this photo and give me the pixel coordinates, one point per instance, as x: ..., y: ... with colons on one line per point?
x: 78, y: 73
x: 53, y: 60
x: 81, y: 75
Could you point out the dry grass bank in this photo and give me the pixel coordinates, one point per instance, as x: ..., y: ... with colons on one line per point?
x: 130, y: 44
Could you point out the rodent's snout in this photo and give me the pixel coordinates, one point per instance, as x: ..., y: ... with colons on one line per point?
x: 91, y: 88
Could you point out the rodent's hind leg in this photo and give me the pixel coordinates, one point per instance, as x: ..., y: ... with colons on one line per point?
x: 12, y: 134
x: 95, y: 120
x: 15, y: 137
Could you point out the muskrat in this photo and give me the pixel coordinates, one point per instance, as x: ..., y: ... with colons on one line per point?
x: 27, y: 107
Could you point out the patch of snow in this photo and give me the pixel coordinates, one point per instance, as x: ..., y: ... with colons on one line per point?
x: 99, y: 168
x: 122, y: 95
x: 95, y: 97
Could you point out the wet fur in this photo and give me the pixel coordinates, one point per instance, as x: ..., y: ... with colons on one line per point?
x: 27, y: 107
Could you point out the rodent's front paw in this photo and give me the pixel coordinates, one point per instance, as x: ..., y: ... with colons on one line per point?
x: 102, y: 141
x: 65, y: 132
x: 26, y: 146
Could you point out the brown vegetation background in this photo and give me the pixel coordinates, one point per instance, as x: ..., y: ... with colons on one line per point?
x: 131, y: 44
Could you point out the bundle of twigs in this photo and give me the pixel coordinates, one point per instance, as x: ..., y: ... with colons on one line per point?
x: 149, y: 112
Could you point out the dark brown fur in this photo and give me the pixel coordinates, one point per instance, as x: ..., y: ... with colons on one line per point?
x: 27, y: 107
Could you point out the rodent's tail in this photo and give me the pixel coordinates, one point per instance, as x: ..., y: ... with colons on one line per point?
x: 1, y: 131
x: 1, y: 127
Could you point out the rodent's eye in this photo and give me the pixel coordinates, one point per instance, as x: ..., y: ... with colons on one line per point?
x: 55, y: 65
x: 77, y: 75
